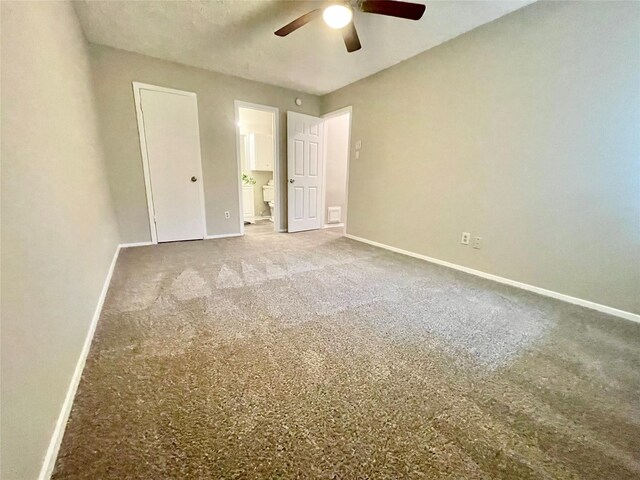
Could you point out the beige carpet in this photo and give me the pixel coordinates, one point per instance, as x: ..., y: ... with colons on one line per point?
x: 312, y: 356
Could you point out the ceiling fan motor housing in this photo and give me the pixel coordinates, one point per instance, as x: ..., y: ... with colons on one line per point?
x: 339, y: 15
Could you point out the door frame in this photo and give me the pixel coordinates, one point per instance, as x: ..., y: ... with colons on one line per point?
x: 238, y: 104
x: 137, y: 86
x: 336, y: 113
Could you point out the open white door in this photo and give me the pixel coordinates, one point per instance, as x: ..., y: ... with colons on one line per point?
x: 171, y: 149
x: 304, y: 168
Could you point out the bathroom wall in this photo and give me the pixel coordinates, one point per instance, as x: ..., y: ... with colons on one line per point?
x: 257, y: 121
x: 261, y: 179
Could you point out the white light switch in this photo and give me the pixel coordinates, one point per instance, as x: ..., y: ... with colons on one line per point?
x: 357, y: 154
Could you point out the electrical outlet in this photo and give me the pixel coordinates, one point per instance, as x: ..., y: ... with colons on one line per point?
x: 477, y: 242
x: 466, y: 236
x: 227, y: 215
x: 358, y: 144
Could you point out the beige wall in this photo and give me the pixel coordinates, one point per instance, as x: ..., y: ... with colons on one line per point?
x: 337, y: 143
x: 524, y: 132
x: 114, y: 70
x: 59, y: 233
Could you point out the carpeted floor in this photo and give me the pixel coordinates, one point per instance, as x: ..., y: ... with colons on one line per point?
x: 313, y: 356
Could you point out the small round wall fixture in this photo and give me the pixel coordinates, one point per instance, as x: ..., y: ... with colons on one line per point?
x: 298, y: 101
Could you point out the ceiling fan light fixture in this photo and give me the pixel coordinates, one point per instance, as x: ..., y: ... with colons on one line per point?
x: 337, y: 15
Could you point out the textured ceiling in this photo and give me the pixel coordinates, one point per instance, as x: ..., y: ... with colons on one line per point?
x: 236, y: 37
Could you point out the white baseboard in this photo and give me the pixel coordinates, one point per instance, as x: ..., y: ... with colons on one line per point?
x: 333, y: 225
x: 56, y: 439
x: 58, y: 433
x: 224, y: 235
x: 208, y: 237
x: 136, y: 244
x: 524, y: 286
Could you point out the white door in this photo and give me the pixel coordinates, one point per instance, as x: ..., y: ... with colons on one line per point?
x: 175, y: 171
x: 304, y: 169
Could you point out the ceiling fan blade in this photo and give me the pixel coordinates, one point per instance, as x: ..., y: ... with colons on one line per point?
x: 392, y: 8
x: 297, y: 23
x: 351, y: 39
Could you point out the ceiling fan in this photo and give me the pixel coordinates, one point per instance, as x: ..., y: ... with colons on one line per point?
x: 339, y: 15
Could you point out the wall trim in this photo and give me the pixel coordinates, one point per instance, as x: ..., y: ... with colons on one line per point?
x: 333, y: 225
x: 224, y: 235
x: 58, y: 432
x: 524, y: 286
x: 135, y: 244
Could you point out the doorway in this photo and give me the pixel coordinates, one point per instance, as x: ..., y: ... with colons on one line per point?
x: 170, y: 145
x: 318, y: 170
x: 337, y: 137
x: 258, y: 165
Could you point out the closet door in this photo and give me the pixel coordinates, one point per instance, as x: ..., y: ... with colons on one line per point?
x: 172, y: 142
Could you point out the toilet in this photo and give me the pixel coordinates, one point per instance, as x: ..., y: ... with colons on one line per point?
x: 267, y: 196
